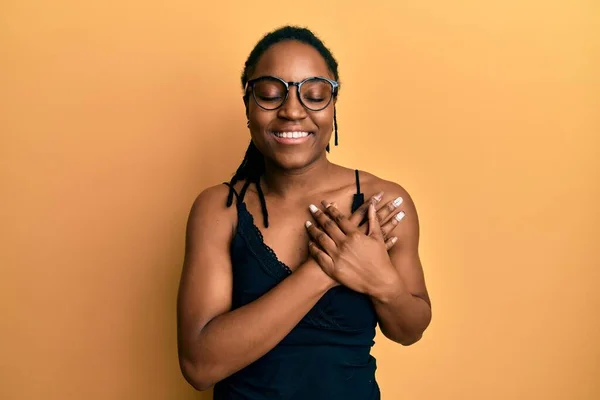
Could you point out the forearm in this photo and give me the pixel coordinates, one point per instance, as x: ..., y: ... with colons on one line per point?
x: 234, y: 340
x: 403, y: 317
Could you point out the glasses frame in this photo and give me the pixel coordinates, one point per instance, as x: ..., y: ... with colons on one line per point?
x: 250, y: 87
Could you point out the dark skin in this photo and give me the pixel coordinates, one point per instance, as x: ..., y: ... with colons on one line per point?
x: 214, y: 341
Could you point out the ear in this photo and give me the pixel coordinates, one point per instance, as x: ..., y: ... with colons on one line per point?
x: 245, y: 99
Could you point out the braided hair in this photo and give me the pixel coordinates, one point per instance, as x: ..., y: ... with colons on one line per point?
x: 253, y: 166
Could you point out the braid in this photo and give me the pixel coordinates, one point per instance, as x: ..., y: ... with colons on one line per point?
x: 253, y: 166
x: 251, y: 169
x: 335, y: 128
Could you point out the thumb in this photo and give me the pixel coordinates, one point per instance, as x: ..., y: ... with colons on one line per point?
x: 374, y: 227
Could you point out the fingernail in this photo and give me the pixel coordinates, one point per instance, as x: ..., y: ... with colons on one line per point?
x: 394, y: 240
x: 397, y: 202
x: 308, y: 224
x: 313, y: 208
x: 378, y: 197
x: 327, y: 205
x: 400, y: 215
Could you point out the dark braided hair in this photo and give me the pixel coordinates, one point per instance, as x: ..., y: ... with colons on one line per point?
x: 253, y: 166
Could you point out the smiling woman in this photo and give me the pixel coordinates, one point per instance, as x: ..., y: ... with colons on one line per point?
x: 289, y: 310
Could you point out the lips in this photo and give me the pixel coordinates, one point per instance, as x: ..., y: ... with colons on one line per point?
x: 291, y: 137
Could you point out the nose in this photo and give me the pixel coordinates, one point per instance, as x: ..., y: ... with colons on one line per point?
x: 292, y: 109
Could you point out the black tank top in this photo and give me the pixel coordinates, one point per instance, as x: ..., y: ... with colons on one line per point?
x: 326, y: 356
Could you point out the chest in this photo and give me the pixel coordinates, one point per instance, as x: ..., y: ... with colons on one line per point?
x: 258, y: 267
x: 286, y: 235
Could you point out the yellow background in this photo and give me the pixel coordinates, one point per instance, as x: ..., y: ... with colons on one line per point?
x: 116, y: 114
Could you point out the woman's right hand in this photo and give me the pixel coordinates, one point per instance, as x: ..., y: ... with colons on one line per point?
x: 389, y: 214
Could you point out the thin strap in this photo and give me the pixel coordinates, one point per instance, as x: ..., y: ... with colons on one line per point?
x: 244, y: 188
x: 240, y: 198
x: 231, y: 193
x: 263, y: 205
x: 359, y: 198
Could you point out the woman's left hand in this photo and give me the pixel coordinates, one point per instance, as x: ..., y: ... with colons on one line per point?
x: 356, y: 260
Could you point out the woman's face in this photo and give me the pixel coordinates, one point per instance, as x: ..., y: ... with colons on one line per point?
x: 291, y: 61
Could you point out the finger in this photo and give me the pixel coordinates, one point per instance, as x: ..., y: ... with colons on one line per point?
x: 327, y: 224
x: 321, y: 238
x: 390, y: 242
x: 359, y: 215
x: 340, y: 219
x: 374, y: 227
x: 389, y: 209
x: 390, y: 225
x: 320, y: 257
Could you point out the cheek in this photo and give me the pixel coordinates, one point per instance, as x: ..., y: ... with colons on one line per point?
x: 324, y: 121
x: 259, y: 121
x: 259, y: 118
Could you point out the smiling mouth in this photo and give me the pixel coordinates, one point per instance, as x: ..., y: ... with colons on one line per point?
x: 291, y: 135
x: 297, y: 137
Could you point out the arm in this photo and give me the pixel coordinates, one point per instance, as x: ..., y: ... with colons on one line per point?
x: 213, y: 341
x: 403, y: 306
x: 393, y: 279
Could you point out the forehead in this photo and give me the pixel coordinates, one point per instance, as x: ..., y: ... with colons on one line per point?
x: 291, y: 61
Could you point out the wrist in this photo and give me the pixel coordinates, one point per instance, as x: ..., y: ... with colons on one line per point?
x: 389, y: 289
x: 318, y: 276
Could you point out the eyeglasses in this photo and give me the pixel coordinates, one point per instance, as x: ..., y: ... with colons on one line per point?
x: 270, y: 92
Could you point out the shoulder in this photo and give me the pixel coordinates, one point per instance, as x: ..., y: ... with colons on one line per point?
x: 408, y: 230
x: 211, y: 199
x: 372, y: 184
x: 210, y: 207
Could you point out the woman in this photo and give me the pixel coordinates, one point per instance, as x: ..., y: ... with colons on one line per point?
x: 289, y: 310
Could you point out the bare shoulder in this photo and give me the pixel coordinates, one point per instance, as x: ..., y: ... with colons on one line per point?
x: 210, y: 207
x: 213, y: 196
x: 372, y: 184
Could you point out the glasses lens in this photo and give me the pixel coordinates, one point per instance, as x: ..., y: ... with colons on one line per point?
x: 269, y: 93
x: 316, y: 93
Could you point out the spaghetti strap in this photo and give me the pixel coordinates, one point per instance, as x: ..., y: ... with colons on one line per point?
x: 359, y: 198
x: 232, y: 192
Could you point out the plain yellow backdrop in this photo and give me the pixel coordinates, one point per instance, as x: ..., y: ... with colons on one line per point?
x: 116, y: 114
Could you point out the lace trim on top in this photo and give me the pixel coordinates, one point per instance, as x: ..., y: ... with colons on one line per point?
x: 257, y: 245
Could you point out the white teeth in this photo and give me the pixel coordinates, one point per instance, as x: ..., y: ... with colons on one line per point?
x: 291, y: 135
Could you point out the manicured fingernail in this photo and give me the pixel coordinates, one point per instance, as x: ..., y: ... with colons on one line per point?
x: 313, y: 208
x: 308, y: 224
x: 398, y: 201
x: 394, y: 240
x: 400, y: 215
x: 378, y: 197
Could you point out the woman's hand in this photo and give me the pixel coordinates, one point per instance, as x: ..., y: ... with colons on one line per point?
x: 388, y: 216
x: 355, y: 259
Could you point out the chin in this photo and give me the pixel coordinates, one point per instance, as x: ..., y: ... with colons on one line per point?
x: 293, y: 161
x: 290, y: 161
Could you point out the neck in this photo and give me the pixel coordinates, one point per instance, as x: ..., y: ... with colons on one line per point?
x: 290, y: 183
